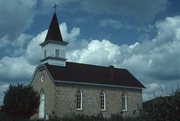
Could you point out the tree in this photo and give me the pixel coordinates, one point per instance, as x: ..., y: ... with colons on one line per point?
x: 165, y: 109
x: 21, y: 102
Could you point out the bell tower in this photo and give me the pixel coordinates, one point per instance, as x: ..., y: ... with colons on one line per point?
x: 53, y: 47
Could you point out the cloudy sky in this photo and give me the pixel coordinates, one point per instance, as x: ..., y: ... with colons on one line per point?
x: 142, y: 36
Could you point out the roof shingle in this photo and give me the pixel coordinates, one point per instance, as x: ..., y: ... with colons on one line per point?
x: 54, y: 31
x: 77, y: 72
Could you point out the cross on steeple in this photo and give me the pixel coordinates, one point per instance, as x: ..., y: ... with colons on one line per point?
x: 55, y: 7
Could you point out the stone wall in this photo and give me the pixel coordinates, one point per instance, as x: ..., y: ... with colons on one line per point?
x: 49, y: 89
x: 66, y: 100
x: 61, y: 99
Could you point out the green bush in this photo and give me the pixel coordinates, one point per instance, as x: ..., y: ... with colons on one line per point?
x: 20, y: 102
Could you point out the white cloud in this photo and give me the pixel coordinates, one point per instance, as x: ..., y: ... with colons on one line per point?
x: 152, y: 58
x: 111, y: 23
x: 15, y: 47
x: 153, y: 86
x: 3, y: 88
x: 151, y: 61
x: 69, y: 36
x: 22, y: 10
x: 21, y: 67
x: 33, y: 51
x: 15, y: 69
x: 97, y: 52
x: 143, y: 9
x: 116, y: 24
x: 156, y: 60
x: 4, y: 41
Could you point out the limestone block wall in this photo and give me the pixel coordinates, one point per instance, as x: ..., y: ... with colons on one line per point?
x: 60, y: 99
x: 49, y: 89
x: 66, y: 100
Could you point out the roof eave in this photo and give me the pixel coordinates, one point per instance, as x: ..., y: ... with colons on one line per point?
x: 52, y: 41
x: 96, y: 84
x: 35, y: 71
x: 54, y: 58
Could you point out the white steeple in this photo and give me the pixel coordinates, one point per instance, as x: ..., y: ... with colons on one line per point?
x: 54, y: 48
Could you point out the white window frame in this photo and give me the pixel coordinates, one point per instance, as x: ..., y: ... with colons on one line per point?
x: 42, y: 78
x: 104, y: 101
x: 42, y: 100
x: 124, y: 97
x: 79, y: 108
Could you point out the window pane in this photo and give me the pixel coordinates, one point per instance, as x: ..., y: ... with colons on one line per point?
x: 79, y: 99
x: 102, y: 101
x: 124, y: 102
x: 57, y: 53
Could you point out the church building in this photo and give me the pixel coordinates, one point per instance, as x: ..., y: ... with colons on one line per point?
x: 67, y: 88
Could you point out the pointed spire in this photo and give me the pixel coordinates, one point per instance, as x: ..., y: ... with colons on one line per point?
x: 54, y: 31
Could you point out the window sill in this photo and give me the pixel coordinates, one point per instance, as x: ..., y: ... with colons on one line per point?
x: 125, y: 110
x: 79, y: 109
x: 103, y: 110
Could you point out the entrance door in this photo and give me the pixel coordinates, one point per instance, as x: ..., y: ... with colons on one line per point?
x: 42, y: 105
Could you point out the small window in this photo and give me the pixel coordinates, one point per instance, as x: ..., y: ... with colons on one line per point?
x: 42, y: 78
x: 124, y: 102
x: 57, y: 53
x: 103, y: 101
x: 79, y: 100
x: 44, y: 53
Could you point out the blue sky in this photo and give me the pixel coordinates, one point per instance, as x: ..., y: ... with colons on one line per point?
x: 142, y: 36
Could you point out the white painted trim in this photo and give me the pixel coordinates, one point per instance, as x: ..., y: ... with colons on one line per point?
x: 35, y: 71
x: 42, y: 104
x: 32, y: 77
x: 81, y: 101
x: 95, y: 84
x: 104, y: 95
x: 125, y: 103
x: 52, y: 41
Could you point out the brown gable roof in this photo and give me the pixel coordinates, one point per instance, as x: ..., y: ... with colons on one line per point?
x: 54, y: 31
x: 76, y: 72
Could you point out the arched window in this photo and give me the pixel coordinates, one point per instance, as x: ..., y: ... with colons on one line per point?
x: 124, y: 102
x: 79, y: 100
x: 103, y: 101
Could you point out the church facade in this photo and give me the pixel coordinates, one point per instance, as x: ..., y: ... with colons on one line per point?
x: 67, y: 88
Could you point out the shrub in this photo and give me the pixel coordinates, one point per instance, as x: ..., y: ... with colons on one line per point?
x: 4, y: 117
x: 166, y: 109
x: 20, y: 102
